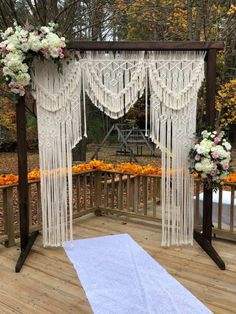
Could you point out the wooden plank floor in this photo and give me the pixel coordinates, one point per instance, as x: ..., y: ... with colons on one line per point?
x: 49, y: 284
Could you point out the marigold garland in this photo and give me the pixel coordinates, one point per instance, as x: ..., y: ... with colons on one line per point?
x: 125, y: 167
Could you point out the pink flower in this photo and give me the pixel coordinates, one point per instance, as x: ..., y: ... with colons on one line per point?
x: 3, y: 48
x: 5, y: 51
x: 46, y: 53
x: 197, y: 157
x: 60, y: 53
x: 2, y: 45
x: 13, y: 85
x: 216, y: 140
x: 21, y: 91
x: 225, y: 166
x: 213, y: 173
x: 215, y: 155
x: 27, y: 27
x: 17, y: 89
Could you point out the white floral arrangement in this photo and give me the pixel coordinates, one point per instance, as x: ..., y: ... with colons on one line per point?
x: 20, y: 45
x: 210, y: 158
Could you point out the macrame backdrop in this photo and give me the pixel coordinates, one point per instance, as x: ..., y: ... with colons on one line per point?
x: 58, y: 99
x: 113, y: 82
x: 175, y: 78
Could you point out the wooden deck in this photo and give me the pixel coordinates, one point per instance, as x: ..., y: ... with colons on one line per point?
x: 48, y: 282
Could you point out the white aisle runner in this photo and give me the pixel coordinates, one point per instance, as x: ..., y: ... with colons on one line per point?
x: 120, y: 277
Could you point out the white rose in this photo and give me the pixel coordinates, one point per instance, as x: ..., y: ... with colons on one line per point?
x: 7, y: 71
x: 221, y: 151
x: 24, y: 68
x: 205, y: 147
x: 44, y: 30
x: 45, y: 43
x: 25, y: 47
x: 53, y: 52
x: 227, y: 145
x: 207, y: 165
x: 205, y: 134
x: 8, y: 31
x: 34, y: 42
x: 13, y: 61
x: 23, y: 79
x: 23, y: 33
x: 11, y: 47
x: 198, y: 166
x: 63, y: 42
x: 54, y: 40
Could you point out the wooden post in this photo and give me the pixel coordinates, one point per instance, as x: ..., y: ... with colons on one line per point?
x: 26, y: 242
x: 22, y: 171
x: 204, y: 238
x: 210, y: 117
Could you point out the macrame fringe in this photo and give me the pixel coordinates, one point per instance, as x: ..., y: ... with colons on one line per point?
x: 175, y: 79
x: 113, y: 82
x: 59, y: 130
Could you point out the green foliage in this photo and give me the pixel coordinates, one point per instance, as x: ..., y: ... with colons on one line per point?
x: 95, y: 127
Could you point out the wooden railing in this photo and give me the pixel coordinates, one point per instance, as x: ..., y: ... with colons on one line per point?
x: 223, y: 211
x: 137, y: 196
x: 116, y: 194
x: 83, y: 203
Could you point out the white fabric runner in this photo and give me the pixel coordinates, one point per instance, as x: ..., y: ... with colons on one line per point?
x: 119, y: 277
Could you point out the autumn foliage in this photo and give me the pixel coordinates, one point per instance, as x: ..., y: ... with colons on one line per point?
x: 226, y: 103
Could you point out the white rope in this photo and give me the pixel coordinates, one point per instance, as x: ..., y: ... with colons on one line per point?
x: 175, y: 79
x: 59, y: 130
x: 113, y: 82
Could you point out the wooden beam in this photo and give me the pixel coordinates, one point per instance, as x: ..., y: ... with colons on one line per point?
x: 22, y: 171
x: 204, y: 238
x: 26, y: 241
x: 210, y: 117
x: 145, y: 45
x: 211, y: 87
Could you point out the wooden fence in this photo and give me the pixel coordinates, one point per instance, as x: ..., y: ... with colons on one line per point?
x: 116, y: 194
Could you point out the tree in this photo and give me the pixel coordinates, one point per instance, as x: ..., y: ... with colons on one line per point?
x: 226, y: 103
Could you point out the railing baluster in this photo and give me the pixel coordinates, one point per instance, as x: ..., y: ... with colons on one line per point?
x: 220, y: 208
x: 120, y: 192
x: 145, y: 195
x: 197, y: 202
x: 85, y: 191
x: 8, y: 213
x: 78, y: 192
x: 136, y: 193
x: 105, y: 191
x: 112, y: 190
x: 91, y: 189
x: 30, y: 207
x: 98, y: 190
x: 232, y: 209
x: 39, y: 208
x: 154, y: 196
x: 128, y: 193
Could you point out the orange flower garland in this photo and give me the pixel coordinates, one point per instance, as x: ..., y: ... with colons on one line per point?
x: 125, y: 167
x: 231, y: 178
x: 8, y: 179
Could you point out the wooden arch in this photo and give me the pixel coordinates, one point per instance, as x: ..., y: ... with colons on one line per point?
x: 205, y: 236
